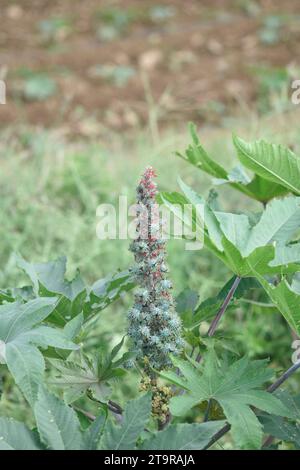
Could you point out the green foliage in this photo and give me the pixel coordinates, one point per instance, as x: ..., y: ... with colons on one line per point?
x: 57, y: 424
x: 258, y: 188
x: 52, y: 340
x: 184, y: 436
x: 125, y: 436
x: 91, y: 375
x: 280, y: 428
x: 20, y: 337
x: 234, y: 386
x: 272, y: 162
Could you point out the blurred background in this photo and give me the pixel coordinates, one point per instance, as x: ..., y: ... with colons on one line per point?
x: 98, y: 89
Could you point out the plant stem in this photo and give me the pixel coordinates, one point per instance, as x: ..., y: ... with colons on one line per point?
x: 283, y: 377
x: 85, y: 413
x: 206, y: 416
x: 270, y: 389
x: 222, y: 310
x: 114, y: 407
x: 224, y: 306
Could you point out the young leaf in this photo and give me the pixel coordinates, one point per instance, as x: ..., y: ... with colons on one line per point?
x: 235, y: 388
x: 93, y: 375
x: 57, y: 423
x: 124, y: 436
x: 273, y: 162
x: 184, y: 436
x: 258, y: 188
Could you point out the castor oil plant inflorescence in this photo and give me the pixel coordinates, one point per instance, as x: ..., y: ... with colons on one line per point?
x: 154, y: 327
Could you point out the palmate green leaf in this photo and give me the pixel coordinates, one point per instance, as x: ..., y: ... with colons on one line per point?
x: 215, y: 240
x: 258, y: 188
x: 74, y: 297
x: 286, y: 300
x: 135, y: 418
x: 239, y: 244
x: 76, y: 380
x: 278, y: 223
x: 57, y: 423
x: 184, y: 436
x: 49, y: 280
x: 272, y: 162
x: 19, y: 338
x: 235, y: 387
x: 16, y: 436
x: 93, y: 375
x: 51, y: 276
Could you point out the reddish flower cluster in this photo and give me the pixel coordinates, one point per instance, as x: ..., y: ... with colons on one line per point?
x: 153, y: 324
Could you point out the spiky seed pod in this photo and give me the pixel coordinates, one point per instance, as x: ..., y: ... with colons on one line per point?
x: 154, y: 327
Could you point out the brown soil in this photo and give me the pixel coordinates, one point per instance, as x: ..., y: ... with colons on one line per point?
x: 193, y: 64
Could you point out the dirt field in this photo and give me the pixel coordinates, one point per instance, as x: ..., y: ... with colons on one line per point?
x: 118, y: 64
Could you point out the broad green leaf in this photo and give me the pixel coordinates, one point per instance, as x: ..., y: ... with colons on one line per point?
x: 278, y: 223
x: 76, y: 380
x: 16, y: 436
x: 51, y: 276
x: 73, y: 327
x: 241, y: 246
x: 184, y: 436
x: 135, y: 418
x: 236, y: 228
x: 93, y: 433
x: 49, y: 280
x: 286, y: 255
x: 273, y: 162
x: 209, y: 307
x: 203, y: 211
x: 234, y: 387
x: 257, y: 262
x: 107, y: 290
x: 281, y: 429
x: 262, y: 190
x: 26, y: 364
x: 186, y: 301
x: 258, y: 188
x: 57, y: 423
x: 286, y: 300
x: 295, y: 286
x: 19, y: 338
x: 94, y: 375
